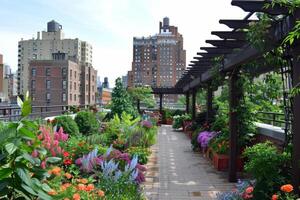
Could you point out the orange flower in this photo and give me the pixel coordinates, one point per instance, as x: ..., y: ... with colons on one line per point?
x: 63, y: 187
x: 275, y: 197
x: 52, y: 192
x: 249, y: 190
x: 81, y: 186
x: 66, y: 199
x: 287, y: 188
x: 89, y: 187
x: 68, y: 175
x: 100, y: 193
x: 83, y: 181
x: 56, y: 171
x: 76, y: 196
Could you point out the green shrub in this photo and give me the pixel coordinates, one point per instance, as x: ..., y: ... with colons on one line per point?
x: 87, y: 122
x: 267, y: 166
x: 68, y: 124
x: 141, y: 152
x: 194, y: 141
x: 177, y: 122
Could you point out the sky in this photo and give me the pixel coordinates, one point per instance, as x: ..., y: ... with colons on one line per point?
x: 110, y: 25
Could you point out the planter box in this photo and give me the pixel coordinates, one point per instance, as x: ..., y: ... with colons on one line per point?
x: 185, y: 124
x: 221, y: 162
x: 169, y: 121
x: 189, y: 133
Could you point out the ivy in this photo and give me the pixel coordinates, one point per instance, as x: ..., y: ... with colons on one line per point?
x: 218, y: 78
x: 291, y: 5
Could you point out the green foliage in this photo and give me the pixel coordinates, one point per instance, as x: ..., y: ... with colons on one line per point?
x: 194, y: 141
x: 20, y: 173
x: 121, y: 101
x: 258, y: 31
x: 266, y: 165
x: 291, y: 5
x: 293, y: 35
x: 179, y: 119
x: 143, y: 94
x: 68, y: 124
x: 220, y: 144
x: 87, y: 122
x: 218, y: 78
x: 141, y: 152
x: 120, y: 190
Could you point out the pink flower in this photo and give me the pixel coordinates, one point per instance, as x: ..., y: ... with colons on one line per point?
x: 35, y: 153
x: 43, y: 165
x: 78, y: 161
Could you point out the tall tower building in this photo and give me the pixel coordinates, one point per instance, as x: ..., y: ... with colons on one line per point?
x: 158, y: 60
x: 47, y: 46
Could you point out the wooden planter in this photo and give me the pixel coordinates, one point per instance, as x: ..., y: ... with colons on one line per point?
x: 185, y: 124
x: 189, y: 133
x: 169, y: 121
x: 221, y: 162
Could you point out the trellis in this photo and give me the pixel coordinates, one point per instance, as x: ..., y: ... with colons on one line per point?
x: 235, y: 51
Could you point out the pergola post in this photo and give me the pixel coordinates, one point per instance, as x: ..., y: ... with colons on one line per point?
x: 234, y: 99
x: 194, y: 104
x: 187, y: 104
x: 296, y: 123
x: 209, y: 107
x: 160, y: 102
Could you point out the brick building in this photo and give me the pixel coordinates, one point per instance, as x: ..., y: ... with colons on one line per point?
x: 158, y: 60
x: 61, y: 82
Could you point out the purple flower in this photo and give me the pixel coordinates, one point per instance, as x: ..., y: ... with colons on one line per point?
x: 146, y: 124
x: 204, y: 138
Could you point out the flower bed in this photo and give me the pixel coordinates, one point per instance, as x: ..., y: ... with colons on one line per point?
x: 41, y: 161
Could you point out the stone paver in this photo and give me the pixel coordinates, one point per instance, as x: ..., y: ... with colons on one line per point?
x: 176, y: 172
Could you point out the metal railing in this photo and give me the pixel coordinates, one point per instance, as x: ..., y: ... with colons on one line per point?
x: 272, y: 118
x: 13, y: 113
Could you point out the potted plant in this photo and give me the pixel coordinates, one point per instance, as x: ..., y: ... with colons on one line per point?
x: 187, y: 120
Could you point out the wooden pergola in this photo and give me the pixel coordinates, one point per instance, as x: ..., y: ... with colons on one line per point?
x: 237, y: 51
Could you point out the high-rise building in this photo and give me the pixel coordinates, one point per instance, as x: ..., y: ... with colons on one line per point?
x: 125, y: 81
x: 1, y: 73
x: 105, y: 83
x: 158, y: 60
x: 50, y: 45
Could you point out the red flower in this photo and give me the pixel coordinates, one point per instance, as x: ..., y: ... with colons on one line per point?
x: 68, y: 162
x: 274, y: 197
x: 66, y: 154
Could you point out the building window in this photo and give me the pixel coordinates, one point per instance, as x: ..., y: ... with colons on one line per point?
x: 71, y: 97
x: 70, y: 73
x: 33, y: 72
x: 70, y: 85
x: 74, y: 97
x: 48, y: 97
x: 75, y: 74
x: 74, y: 85
x: 64, y: 72
x: 48, y: 72
x: 64, y: 97
x: 93, y: 78
x: 33, y: 84
x: 48, y: 84
x: 64, y: 84
x: 93, y: 88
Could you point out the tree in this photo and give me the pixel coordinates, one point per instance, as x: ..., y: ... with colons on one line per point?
x: 121, y: 101
x: 142, y: 94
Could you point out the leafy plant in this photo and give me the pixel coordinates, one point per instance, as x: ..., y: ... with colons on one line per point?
x: 68, y: 124
x: 267, y: 166
x: 87, y: 122
x: 140, y: 152
x: 121, y: 101
x: 20, y: 172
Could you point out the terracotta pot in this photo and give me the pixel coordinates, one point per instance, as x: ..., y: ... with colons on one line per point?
x: 221, y: 162
x: 169, y: 121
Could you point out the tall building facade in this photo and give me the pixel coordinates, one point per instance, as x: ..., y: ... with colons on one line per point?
x: 61, y: 82
x: 158, y: 60
x: 47, y: 46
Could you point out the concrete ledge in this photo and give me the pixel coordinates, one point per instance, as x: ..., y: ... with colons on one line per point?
x: 274, y: 132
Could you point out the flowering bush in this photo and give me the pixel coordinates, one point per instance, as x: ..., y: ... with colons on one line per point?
x: 285, y: 193
x: 220, y: 144
x: 243, y: 190
x: 204, y: 138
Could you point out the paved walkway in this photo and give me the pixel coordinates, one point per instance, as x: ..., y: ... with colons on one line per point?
x: 176, y: 172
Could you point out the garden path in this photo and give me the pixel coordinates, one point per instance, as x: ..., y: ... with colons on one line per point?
x: 176, y: 172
